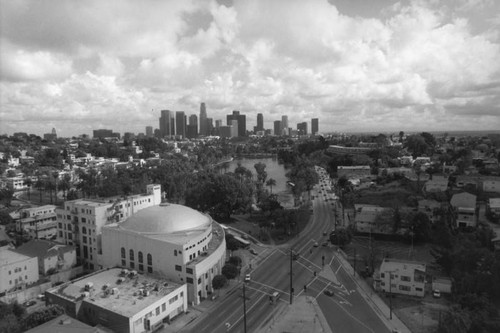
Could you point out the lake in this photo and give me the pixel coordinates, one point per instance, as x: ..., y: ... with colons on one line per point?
x: 275, y: 171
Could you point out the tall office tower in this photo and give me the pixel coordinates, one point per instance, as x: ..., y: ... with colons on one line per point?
x: 284, y: 125
x: 149, y: 131
x: 277, y: 127
x: 242, y: 122
x: 203, y: 119
x: 260, y: 122
x: 165, y: 123
x: 210, y: 126
x: 302, y: 128
x: 180, y: 124
x: 218, y: 123
x: 314, y: 126
x: 192, y: 128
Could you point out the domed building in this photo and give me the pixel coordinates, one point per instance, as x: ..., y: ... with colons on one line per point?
x: 170, y: 241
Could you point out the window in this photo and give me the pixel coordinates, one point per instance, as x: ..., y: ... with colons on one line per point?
x: 163, y: 307
x: 175, y: 252
x: 84, y: 220
x: 123, y: 252
x: 158, y: 311
x: 131, y: 255
x: 189, y: 280
x: 404, y: 288
x: 189, y: 270
x: 132, y: 265
x: 85, y: 239
x: 150, y: 259
x: 405, y: 278
x: 199, y: 280
x: 124, y: 263
x: 382, y: 275
x: 84, y: 230
x: 150, y: 269
x: 178, y: 268
x: 141, y: 259
x: 141, y: 267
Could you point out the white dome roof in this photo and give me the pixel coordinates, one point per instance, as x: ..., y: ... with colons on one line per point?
x: 165, y: 219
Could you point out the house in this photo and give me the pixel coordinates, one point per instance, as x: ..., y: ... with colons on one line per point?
x: 51, y: 256
x: 464, y: 207
x: 442, y: 284
x: 357, y: 171
x: 491, y: 184
x: 401, y: 277
x: 494, y: 207
x: 438, y: 183
x: 430, y: 208
x: 365, y: 219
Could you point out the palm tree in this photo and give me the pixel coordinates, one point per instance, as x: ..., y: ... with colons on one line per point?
x: 39, y: 184
x: 28, y: 182
x: 271, y: 182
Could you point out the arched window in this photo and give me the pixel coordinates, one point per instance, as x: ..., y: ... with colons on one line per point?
x: 150, y: 259
x: 131, y: 255
x: 123, y: 252
x: 175, y: 252
x: 140, y: 257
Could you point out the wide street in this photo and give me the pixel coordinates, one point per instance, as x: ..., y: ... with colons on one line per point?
x: 345, y: 311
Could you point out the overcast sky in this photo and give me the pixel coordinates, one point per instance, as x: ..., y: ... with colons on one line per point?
x: 378, y: 65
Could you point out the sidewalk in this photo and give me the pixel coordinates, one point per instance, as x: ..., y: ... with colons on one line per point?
x: 373, y: 299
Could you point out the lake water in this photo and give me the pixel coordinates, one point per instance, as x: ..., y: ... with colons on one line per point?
x: 275, y: 171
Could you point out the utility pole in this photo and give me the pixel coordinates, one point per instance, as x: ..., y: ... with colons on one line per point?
x: 244, y: 310
x: 390, y: 295
x: 291, y: 274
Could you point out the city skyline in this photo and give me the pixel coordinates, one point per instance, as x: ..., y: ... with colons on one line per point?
x: 358, y: 66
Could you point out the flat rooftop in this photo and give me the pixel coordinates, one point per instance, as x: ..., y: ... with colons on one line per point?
x: 127, y: 300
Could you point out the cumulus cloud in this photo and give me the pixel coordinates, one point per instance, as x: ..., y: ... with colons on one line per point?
x: 418, y: 63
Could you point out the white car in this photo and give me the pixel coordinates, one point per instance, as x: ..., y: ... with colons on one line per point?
x: 436, y: 294
x: 247, y: 278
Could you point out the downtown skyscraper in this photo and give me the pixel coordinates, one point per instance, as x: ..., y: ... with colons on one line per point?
x: 166, y: 124
x: 314, y: 126
x: 203, y: 120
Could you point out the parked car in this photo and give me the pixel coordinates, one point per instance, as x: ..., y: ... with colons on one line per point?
x: 247, y: 278
x: 29, y: 303
x: 252, y: 251
x: 316, y: 244
x: 436, y: 294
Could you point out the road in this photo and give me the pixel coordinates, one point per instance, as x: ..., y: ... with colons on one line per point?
x: 346, y: 311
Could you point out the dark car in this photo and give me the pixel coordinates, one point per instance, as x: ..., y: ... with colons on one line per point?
x: 29, y: 303
x: 252, y: 251
x: 328, y: 292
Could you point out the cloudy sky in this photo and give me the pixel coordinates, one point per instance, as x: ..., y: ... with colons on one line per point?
x: 379, y: 65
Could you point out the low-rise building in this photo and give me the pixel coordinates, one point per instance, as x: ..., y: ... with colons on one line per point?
x: 38, y: 222
x: 365, y: 219
x: 65, y: 323
x: 430, y: 208
x: 52, y: 256
x: 121, y: 300
x: 494, y: 207
x: 464, y: 207
x: 17, y: 271
x: 438, y: 183
x: 356, y: 171
x: 401, y: 277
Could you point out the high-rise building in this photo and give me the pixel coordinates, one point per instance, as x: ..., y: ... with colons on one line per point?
x: 260, y: 122
x: 284, y: 125
x: 180, y: 124
x: 149, y: 131
x: 302, y: 128
x: 192, y: 128
x: 277, y: 127
x: 203, y: 119
x: 242, y: 122
x: 165, y: 124
x: 314, y: 126
x: 210, y: 126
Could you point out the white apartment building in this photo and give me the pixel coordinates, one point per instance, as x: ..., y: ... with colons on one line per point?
x: 170, y: 241
x: 401, y: 277
x: 80, y: 222
x: 121, y: 300
x: 38, y: 222
x: 16, y: 270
